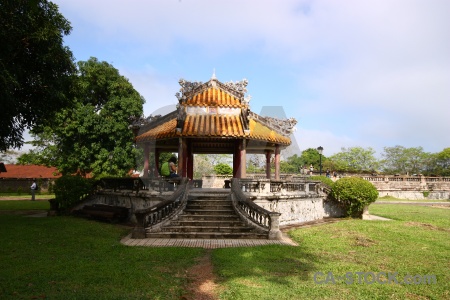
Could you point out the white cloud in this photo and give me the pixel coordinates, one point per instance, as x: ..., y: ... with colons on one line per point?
x: 369, y: 73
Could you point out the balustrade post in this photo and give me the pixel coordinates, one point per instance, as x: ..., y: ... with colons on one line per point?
x: 274, y: 231
x: 139, y: 229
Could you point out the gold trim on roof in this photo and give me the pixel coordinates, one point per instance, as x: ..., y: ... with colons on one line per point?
x: 214, y: 126
x: 213, y: 97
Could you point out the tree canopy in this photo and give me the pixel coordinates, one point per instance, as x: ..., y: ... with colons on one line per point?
x: 355, y: 159
x: 94, y: 135
x: 35, y: 67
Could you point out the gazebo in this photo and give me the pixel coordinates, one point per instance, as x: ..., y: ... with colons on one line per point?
x: 213, y: 118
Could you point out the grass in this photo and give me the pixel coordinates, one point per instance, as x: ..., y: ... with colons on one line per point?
x: 25, y: 196
x: 24, y: 205
x: 390, y: 198
x: 415, y: 243
x: 69, y: 258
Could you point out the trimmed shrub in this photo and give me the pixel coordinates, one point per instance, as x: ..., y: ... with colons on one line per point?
x: 323, y: 179
x: 71, y: 190
x: 354, y: 194
x: 223, y: 169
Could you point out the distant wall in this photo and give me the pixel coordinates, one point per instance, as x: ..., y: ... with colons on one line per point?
x: 411, y: 187
x: 14, y: 185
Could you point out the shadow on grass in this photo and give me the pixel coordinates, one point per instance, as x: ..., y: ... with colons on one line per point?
x: 71, y: 258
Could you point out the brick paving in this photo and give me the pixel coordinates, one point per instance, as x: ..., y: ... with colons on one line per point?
x: 204, y: 243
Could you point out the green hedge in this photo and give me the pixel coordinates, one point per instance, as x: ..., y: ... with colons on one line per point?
x: 354, y: 194
x: 70, y: 190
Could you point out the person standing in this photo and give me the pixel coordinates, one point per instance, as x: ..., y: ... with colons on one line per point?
x: 33, y: 190
x: 169, y: 168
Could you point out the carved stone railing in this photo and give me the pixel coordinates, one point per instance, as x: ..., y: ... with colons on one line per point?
x: 153, y: 218
x: 406, y: 178
x: 277, y: 186
x: 254, y: 215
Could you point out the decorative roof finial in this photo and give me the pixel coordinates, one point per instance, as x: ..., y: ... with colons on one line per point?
x: 214, y: 74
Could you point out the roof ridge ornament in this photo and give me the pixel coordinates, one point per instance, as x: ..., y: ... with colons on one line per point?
x: 213, y: 77
x: 237, y: 89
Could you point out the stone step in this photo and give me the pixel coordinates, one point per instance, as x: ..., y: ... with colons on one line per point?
x: 209, y: 206
x: 209, y: 211
x: 197, y: 201
x: 208, y: 223
x: 206, y: 235
x: 213, y: 229
x: 206, y: 217
x: 208, y: 197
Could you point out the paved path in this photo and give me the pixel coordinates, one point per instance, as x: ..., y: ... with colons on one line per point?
x: 204, y: 243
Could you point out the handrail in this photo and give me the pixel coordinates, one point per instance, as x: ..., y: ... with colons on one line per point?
x: 156, y: 216
x: 253, y: 214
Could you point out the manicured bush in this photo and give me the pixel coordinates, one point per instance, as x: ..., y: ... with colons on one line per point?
x: 223, y: 169
x: 70, y: 190
x: 354, y: 194
x: 323, y: 179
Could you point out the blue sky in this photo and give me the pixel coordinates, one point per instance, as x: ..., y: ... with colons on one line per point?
x: 373, y: 73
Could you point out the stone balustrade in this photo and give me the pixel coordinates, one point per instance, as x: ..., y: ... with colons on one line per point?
x: 411, y: 187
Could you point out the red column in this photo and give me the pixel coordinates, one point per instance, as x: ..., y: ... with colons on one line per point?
x: 237, y: 160
x: 182, y: 157
x: 277, y: 162
x: 185, y: 158
x: 146, y: 158
x: 190, y: 162
x: 156, y: 171
x: 243, y: 159
x: 268, y: 155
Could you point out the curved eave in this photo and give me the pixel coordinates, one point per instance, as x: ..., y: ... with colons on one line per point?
x: 163, y: 131
x: 213, y: 97
x: 207, y: 126
x: 263, y: 133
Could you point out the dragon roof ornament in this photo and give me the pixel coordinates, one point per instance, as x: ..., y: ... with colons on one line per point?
x: 284, y: 126
x: 188, y: 88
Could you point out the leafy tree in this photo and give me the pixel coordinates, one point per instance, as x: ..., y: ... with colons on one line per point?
x: 311, y: 156
x: 291, y: 165
x: 354, y: 159
x: 93, y: 136
x: 35, y: 67
x: 202, y: 165
x: 223, y: 169
x: 403, y: 160
x: 443, y: 162
x: 256, y: 163
x: 354, y: 194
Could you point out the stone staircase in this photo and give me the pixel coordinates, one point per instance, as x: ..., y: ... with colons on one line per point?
x: 208, y: 215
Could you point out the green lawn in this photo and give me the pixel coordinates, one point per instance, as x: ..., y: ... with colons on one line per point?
x: 393, y: 199
x: 417, y: 242
x: 70, y: 258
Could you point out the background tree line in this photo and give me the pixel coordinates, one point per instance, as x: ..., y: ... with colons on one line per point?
x: 393, y: 160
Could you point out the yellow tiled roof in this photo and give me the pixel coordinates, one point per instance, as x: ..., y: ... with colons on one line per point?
x: 165, y: 130
x: 214, y: 126
x: 213, y: 97
x: 263, y: 133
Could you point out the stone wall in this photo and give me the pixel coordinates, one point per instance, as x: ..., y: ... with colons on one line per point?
x: 411, y: 187
x: 296, y: 210
x: 214, y: 181
x: 125, y: 199
x: 22, y: 185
